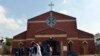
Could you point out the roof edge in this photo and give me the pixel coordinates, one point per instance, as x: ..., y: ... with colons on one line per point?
x: 19, y: 33
x: 54, y: 12
x: 85, y: 32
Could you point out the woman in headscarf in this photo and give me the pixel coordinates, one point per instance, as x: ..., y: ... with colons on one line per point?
x: 38, y: 50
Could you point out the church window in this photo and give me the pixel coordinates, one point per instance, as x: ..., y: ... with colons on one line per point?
x: 51, y: 21
x: 20, y: 44
x: 70, y: 46
x: 85, y: 47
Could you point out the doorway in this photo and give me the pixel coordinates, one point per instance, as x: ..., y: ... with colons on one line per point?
x: 51, y: 47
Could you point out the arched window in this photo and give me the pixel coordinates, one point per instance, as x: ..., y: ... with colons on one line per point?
x: 70, y: 45
x: 20, y: 44
x: 85, y: 47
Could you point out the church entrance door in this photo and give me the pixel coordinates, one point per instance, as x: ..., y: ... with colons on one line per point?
x: 51, y: 47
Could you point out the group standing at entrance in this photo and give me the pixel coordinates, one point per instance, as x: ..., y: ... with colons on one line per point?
x: 33, y: 50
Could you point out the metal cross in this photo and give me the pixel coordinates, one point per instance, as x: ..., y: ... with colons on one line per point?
x: 51, y: 5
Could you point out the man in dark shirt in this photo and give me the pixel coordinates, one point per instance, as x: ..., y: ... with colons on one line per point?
x: 32, y: 49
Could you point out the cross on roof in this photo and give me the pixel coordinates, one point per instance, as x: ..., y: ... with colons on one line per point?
x: 51, y: 5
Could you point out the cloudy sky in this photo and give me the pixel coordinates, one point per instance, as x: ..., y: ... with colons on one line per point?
x: 15, y: 13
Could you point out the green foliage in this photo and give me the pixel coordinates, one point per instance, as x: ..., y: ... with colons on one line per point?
x: 97, y: 53
x: 8, y: 41
x: 6, y: 50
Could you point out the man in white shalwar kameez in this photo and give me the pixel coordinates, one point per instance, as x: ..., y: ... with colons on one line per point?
x: 38, y: 50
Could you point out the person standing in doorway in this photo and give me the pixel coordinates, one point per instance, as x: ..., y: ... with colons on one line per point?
x: 51, y: 51
x: 48, y: 50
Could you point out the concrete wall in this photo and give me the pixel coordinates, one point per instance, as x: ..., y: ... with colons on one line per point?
x: 1, y: 50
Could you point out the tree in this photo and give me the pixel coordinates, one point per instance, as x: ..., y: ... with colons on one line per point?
x: 8, y: 41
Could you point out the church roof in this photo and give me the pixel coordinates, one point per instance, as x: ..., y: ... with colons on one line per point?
x: 83, y: 34
x: 57, y: 15
x: 51, y: 31
x: 21, y: 35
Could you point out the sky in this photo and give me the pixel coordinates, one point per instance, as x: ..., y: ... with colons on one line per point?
x: 15, y: 13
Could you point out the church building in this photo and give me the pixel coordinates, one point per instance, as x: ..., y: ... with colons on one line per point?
x: 60, y: 32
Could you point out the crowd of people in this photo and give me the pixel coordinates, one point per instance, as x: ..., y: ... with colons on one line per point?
x: 33, y: 50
